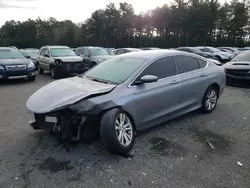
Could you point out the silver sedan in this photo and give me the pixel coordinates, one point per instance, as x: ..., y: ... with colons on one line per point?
x: 127, y: 93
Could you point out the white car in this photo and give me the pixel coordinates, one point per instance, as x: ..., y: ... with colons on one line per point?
x: 223, y: 57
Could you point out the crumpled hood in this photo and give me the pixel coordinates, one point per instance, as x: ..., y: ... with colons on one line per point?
x: 240, y: 65
x: 70, y: 58
x: 62, y: 93
x: 23, y: 61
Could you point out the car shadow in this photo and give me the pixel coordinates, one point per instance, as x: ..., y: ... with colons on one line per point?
x: 14, y: 82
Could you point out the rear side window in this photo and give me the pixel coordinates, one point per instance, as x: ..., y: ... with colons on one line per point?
x: 80, y: 51
x: 46, y: 51
x: 187, y: 63
x: 122, y: 51
x: 162, y: 68
x: 202, y: 63
x: 42, y: 52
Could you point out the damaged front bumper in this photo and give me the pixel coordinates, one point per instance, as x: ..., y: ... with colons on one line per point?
x: 66, y: 125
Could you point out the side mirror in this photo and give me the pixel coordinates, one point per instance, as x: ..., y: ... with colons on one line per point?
x: 46, y: 55
x: 27, y: 56
x: 147, y: 79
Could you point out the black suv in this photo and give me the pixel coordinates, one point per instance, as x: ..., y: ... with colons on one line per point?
x: 92, y: 55
x: 60, y: 61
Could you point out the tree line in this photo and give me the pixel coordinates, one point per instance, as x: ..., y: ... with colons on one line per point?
x: 181, y: 23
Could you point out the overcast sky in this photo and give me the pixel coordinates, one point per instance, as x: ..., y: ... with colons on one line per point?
x: 75, y: 10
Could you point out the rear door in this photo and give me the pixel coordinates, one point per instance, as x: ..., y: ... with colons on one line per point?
x: 40, y: 57
x: 46, y: 59
x: 194, y: 80
x: 156, y: 100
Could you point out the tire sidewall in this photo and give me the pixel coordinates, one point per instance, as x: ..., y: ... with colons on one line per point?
x: 204, y: 99
x: 109, y: 136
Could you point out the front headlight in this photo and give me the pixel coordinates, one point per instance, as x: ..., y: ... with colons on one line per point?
x: 31, y: 65
x: 1, y: 67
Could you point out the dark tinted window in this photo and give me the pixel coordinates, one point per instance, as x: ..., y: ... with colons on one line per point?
x: 42, y: 52
x: 121, y: 51
x: 161, y: 68
x: 86, y: 52
x: 46, y: 51
x: 186, y: 63
x: 202, y: 63
x: 80, y: 51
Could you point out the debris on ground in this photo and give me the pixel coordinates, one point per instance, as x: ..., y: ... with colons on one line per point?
x: 143, y: 173
x: 16, y: 178
x: 210, y: 144
x: 244, y: 118
x: 239, y: 163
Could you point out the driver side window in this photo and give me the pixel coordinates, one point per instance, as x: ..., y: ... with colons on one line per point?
x: 207, y: 50
x: 46, y: 52
x: 162, y: 68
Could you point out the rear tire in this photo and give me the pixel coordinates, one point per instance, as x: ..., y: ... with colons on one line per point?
x: 117, y: 131
x: 210, y: 99
x: 40, y: 69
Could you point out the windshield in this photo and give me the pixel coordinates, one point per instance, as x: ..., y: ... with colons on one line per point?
x: 31, y: 53
x: 243, y: 56
x: 60, y: 52
x: 115, y: 70
x: 98, y: 51
x: 11, y: 54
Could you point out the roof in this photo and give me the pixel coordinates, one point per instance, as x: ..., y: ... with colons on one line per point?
x: 153, y: 54
x: 89, y: 47
x: 7, y: 48
x: 55, y: 47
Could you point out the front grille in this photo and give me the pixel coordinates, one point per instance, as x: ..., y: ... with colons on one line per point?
x: 16, y: 67
x: 71, y: 66
x: 237, y: 72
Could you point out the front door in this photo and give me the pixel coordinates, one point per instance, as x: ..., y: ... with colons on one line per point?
x: 156, y: 100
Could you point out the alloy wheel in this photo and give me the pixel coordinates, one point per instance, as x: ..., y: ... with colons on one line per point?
x: 211, y: 99
x: 124, y: 129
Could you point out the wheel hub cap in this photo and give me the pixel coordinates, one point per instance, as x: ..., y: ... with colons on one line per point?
x: 123, y: 129
x: 211, y: 100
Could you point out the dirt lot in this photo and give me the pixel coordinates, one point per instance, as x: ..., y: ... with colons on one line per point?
x: 176, y: 154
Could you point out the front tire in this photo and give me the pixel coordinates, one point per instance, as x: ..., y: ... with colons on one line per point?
x: 210, y: 99
x: 31, y: 78
x: 54, y: 72
x: 117, y: 131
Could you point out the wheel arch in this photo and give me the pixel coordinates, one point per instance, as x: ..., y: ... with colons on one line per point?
x: 217, y: 86
x: 121, y: 108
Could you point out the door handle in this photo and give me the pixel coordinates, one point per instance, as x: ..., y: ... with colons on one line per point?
x: 174, y: 82
x: 203, y: 75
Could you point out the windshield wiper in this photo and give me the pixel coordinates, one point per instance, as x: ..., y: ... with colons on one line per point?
x: 80, y: 76
x: 101, y: 81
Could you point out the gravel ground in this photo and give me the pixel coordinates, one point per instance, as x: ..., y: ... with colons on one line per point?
x: 175, y: 154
